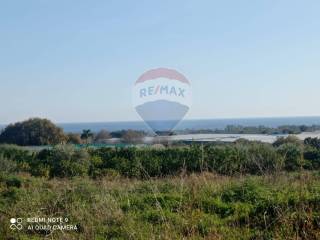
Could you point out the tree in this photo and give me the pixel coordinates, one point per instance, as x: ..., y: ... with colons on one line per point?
x: 102, y: 136
x: 313, y: 142
x: 131, y: 136
x: 63, y: 161
x: 293, y: 156
x: 290, y: 139
x: 74, y: 138
x: 86, y: 135
x: 33, y: 132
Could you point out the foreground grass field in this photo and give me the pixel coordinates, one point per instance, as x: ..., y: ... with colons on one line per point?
x: 196, y: 206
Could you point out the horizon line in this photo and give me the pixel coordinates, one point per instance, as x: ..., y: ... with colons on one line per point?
x: 188, y: 119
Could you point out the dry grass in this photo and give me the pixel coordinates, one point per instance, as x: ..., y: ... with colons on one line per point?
x: 196, y: 206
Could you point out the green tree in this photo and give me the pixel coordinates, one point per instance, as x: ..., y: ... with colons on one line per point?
x: 86, y: 135
x: 102, y: 136
x: 33, y: 132
x: 290, y: 139
x: 74, y: 138
x: 131, y: 136
x: 63, y: 161
x: 313, y: 142
x: 293, y: 156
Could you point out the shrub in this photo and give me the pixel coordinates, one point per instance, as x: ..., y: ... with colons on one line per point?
x: 227, y: 159
x: 15, y: 159
x: 292, y: 155
x: 102, y: 136
x: 6, y: 165
x: 33, y: 132
x: 74, y: 138
x: 290, y: 139
x: 312, y: 157
x: 40, y: 170
x: 262, y: 159
x: 65, y: 161
x: 248, y: 191
x: 313, y: 142
x: 13, y: 181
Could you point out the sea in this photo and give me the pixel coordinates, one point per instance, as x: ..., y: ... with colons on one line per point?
x: 192, y: 124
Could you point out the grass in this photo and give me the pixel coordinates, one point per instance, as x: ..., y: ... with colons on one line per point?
x: 202, y: 206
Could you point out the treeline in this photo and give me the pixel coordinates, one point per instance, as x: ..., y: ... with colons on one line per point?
x: 238, y: 129
x: 41, y: 132
x: 287, y: 154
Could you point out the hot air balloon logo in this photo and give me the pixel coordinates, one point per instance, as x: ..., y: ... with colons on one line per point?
x: 162, y: 98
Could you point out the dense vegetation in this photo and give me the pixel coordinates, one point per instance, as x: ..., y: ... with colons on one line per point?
x: 242, y: 157
x: 40, y: 132
x: 33, y: 132
x: 243, y: 190
x: 204, y: 206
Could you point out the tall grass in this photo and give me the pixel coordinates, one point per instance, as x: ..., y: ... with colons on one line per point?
x: 196, y: 206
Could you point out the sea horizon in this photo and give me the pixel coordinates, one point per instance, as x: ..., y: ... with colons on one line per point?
x: 192, y: 124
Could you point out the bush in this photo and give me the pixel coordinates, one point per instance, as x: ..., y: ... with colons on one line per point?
x: 6, y: 165
x: 313, y: 142
x: 290, y: 139
x: 312, y: 158
x: 74, y: 138
x: 101, y: 136
x: 40, y: 170
x: 15, y: 159
x: 292, y: 154
x: 13, y: 181
x: 33, y: 132
x: 262, y: 159
x: 249, y: 191
x: 227, y: 159
x: 64, y: 161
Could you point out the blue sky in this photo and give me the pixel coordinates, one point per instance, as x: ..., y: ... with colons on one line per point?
x: 76, y: 61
